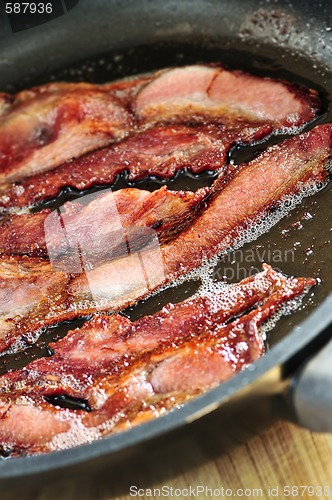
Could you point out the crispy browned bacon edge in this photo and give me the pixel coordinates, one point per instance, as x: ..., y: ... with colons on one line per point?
x: 107, y: 225
x: 33, y: 294
x: 45, y: 126
x: 124, y: 373
x: 160, y: 151
x: 48, y: 125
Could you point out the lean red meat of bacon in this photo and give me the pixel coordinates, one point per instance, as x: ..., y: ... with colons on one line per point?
x: 228, y: 95
x: 120, y: 368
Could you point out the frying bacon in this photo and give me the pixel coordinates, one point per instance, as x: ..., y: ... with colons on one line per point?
x: 43, y: 127
x: 292, y: 168
x: 257, y: 187
x: 226, y: 95
x: 106, y: 251
x: 48, y: 125
x: 102, y: 225
x: 106, y: 338
x: 129, y: 372
x: 159, y: 151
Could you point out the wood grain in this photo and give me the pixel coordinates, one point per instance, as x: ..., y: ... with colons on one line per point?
x: 282, y: 455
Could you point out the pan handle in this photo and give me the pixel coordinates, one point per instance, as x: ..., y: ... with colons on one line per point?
x: 312, y: 392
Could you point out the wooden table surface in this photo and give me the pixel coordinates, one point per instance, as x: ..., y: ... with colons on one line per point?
x: 283, y: 455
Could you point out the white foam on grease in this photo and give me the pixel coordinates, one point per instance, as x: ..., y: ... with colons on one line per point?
x: 14, y: 210
x: 78, y: 433
x: 292, y: 129
x: 21, y: 344
x: 265, y: 221
x: 285, y: 309
x: 257, y: 227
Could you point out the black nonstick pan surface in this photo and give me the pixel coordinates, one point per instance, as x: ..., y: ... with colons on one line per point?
x: 100, y: 41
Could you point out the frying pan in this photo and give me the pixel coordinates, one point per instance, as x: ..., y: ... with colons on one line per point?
x: 99, y: 40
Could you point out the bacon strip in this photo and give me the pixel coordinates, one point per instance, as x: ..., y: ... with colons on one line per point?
x: 128, y: 372
x: 104, y: 226
x: 291, y: 168
x: 48, y: 125
x: 226, y: 95
x: 283, y: 169
x: 43, y: 127
x: 159, y: 152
